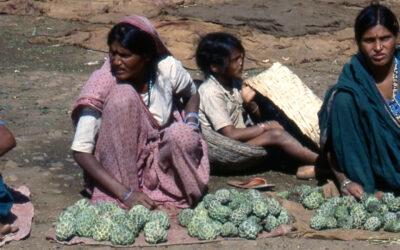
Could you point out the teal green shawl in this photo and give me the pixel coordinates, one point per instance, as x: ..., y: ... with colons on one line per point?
x: 357, y: 125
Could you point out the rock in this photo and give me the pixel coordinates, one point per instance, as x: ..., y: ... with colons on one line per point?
x: 11, y: 164
x: 58, y: 165
x: 54, y: 184
x: 55, y: 133
x: 56, y: 191
x: 46, y: 173
x: 12, y: 178
x: 38, y: 158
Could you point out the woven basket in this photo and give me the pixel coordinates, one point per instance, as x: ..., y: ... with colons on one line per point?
x: 292, y: 96
x: 229, y: 156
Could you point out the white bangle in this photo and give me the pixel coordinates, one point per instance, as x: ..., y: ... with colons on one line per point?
x: 344, y: 183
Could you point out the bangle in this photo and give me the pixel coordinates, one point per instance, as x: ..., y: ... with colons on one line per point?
x: 193, y: 123
x: 191, y: 115
x: 344, y: 183
x: 195, y: 115
x: 127, y: 195
x: 255, y: 110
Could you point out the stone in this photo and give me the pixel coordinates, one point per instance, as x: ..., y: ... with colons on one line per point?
x: 11, y: 164
x: 38, y: 158
x: 58, y: 165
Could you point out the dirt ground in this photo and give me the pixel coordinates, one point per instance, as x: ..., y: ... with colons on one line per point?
x: 40, y: 81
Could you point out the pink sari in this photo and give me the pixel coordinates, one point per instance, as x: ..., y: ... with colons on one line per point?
x: 170, y: 165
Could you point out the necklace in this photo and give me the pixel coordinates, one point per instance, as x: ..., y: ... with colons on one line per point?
x: 393, y: 103
x: 150, y: 85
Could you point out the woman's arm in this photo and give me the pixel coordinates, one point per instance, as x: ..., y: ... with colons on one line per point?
x: 192, y: 106
x: 83, y: 145
x: 347, y: 153
x: 93, y: 167
x: 7, y: 140
x: 346, y: 186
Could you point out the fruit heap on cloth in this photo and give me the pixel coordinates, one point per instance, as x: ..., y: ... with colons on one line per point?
x: 230, y: 213
x: 368, y: 213
x: 106, y: 221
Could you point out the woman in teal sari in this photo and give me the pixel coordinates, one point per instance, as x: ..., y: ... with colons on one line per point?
x: 360, y: 118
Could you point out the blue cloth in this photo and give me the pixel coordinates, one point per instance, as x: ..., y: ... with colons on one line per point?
x: 1, y: 123
x: 359, y: 127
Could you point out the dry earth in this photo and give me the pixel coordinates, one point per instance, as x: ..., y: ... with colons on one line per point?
x: 40, y: 81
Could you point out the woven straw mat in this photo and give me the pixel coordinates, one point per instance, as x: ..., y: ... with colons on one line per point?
x: 291, y: 95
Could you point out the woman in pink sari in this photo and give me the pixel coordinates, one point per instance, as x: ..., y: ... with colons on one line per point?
x: 134, y: 145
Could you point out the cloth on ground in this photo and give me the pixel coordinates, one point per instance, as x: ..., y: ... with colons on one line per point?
x: 361, y: 130
x: 177, y: 235
x: 21, y: 215
x: 301, y: 217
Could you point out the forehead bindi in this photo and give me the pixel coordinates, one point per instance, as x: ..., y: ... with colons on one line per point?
x: 117, y: 47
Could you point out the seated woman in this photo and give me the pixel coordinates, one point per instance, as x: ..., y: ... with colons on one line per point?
x: 360, y: 118
x: 7, y: 142
x: 130, y: 138
x: 225, y: 101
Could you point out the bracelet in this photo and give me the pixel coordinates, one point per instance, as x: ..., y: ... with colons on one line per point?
x: 255, y: 110
x: 191, y: 115
x: 195, y: 115
x: 193, y: 123
x: 344, y: 183
x: 127, y: 195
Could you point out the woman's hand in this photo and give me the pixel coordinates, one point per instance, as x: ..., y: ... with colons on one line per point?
x: 353, y: 189
x: 248, y: 93
x: 136, y: 198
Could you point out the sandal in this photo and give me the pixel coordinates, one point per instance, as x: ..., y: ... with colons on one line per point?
x: 253, y: 183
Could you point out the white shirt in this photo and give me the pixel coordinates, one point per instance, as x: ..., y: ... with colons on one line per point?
x: 171, y: 80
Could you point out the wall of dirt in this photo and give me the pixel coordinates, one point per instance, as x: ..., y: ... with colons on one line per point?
x: 288, y: 31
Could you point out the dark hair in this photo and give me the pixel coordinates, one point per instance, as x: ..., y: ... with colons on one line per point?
x: 216, y: 49
x: 373, y: 15
x: 133, y: 39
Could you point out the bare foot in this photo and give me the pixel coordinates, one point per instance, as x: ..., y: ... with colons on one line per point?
x: 7, y: 228
x: 306, y: 172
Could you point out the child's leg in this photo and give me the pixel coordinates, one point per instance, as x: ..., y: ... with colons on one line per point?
x: 283, y: 140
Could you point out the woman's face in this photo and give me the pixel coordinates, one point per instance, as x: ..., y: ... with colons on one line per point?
x: 378, y: 45
x: 126, y: 65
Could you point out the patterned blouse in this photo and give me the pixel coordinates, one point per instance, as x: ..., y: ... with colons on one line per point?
x: 394, y: 102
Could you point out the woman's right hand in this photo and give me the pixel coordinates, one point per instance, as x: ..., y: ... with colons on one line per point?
x: 136, y: 198
x: 353, y: 189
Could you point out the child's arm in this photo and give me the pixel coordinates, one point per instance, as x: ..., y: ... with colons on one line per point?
x: 246, y: 134
x: 248, y: 95
x: 7, y: 141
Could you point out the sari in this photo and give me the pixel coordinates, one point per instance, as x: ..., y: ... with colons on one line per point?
x: 169, y: 164
x: 359, y: 127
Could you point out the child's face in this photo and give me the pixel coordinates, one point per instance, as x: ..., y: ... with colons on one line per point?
x: 235, y: 65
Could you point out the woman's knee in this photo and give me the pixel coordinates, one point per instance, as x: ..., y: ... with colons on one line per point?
x: 184, y: 137
x: 120, y: 96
